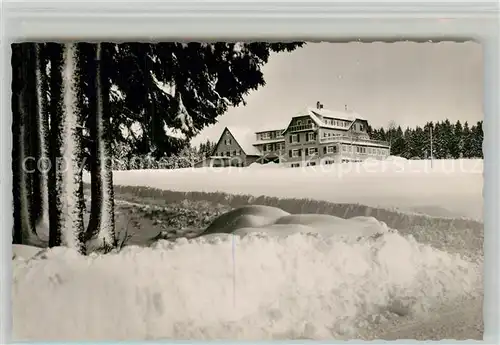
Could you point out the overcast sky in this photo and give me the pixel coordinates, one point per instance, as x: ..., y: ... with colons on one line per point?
x: 410, y: 83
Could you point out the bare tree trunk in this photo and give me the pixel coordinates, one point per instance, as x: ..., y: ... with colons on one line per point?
x: 95, y: 181
x: 35, y: 132
x: 55, y: 52
x: 66, y: 132
x: 102, y: 232
x: 23, y: 232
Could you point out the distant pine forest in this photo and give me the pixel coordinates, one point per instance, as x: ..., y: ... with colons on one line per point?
x: 449, y: 141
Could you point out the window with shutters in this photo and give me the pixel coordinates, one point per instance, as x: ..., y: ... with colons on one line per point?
x: 310, y: 136
x: 312, y: 151
x: 295, y: 153
x: 294, y: 138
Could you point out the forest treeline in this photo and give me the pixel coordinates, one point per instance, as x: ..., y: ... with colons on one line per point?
x: 448, y: 140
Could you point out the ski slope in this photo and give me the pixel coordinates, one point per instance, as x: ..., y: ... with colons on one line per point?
x: 261, y: 286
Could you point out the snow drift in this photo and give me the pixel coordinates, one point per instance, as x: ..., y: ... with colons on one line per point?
x: 254, y: 287
x: 259, y: 286
x: 274, y: 221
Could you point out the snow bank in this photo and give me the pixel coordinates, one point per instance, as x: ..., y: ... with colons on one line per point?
x: 453, y: 186
x: 256, y: 287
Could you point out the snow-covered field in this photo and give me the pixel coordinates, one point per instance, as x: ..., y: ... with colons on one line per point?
x: 261, y: 286
x: 445, y: 188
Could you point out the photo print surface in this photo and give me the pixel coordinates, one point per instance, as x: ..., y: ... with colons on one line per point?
x: 247, y: 191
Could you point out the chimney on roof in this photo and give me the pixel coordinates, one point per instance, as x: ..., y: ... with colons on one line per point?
x: 319, y: 105
x: 345, y: 107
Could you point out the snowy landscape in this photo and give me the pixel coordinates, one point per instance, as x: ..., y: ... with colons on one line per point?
x: 211, y: 288
x: 135, y: 240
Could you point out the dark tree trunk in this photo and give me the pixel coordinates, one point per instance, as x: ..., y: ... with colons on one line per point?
x: 101, y: 228
x: 23, y: 162
x: 21, y: 212
x: 55, y: 53
x: 95, y: 181
x: 36, y: 136
x: 31, y: 129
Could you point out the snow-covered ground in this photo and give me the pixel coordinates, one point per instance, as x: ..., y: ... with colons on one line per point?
x: 445, y: 188
x: 262, y: 286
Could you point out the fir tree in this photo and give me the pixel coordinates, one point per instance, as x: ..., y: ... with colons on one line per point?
x: 456, y: 146
x: 467, y: 148
x: 429, y: 126
x: 477, y: 140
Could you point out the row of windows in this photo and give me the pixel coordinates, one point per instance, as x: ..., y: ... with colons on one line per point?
x: 270, y: 135
x: 313, y: 151
x: 365, y: 150
x: 217, y: 164
x: 329, y: 134
x: 330, y: 122
x: 228, y: 153
x: 274, y: 147
x: 295, y: 138
x: 310, y: 137
x: 325, y: 162
x: 299, y: 122
x: 338, y: 123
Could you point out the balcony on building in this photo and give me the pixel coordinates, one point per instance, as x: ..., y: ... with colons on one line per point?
x: 354, y: 139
